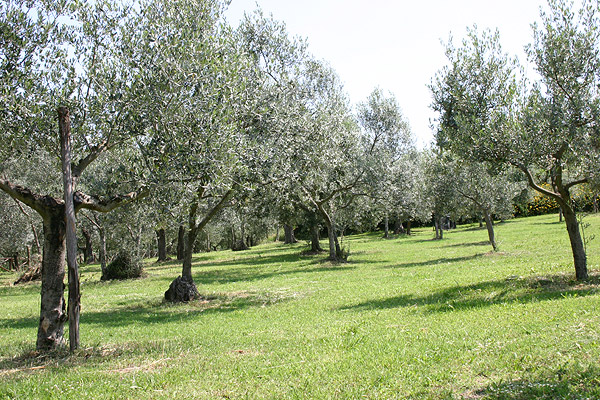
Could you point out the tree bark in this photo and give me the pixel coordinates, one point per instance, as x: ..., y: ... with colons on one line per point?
x: 162, y: 244
x: 52, y: 311
x: 490, y: 229
x: 408, y: 226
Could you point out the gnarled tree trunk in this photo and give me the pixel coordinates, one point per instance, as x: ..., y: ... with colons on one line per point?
x: 53, y: 307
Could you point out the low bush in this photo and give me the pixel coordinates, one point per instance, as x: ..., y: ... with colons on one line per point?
x: 124, y: 266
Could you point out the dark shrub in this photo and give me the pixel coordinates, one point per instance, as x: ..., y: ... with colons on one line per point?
x: 124, y: 266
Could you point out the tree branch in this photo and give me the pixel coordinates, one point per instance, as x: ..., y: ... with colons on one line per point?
x: 84, y: 201
x: 535, y: 185
x: 39, y: 203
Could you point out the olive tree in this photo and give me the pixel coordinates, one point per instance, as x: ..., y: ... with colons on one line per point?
x: 48, y: 64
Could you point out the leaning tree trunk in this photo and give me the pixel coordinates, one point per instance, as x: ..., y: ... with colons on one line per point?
x: 162, y: 244
x: 579, y: 256
x: 53, y: 308
x: 489, y: 224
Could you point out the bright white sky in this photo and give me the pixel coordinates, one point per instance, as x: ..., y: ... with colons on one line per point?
x: 395, y: 44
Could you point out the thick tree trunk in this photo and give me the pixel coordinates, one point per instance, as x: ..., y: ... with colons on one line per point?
x: 490, y: 229
x: 53, y: 308
x: 161, y: 239
x: 289, y: 234
x: 579, y: 256
x: 88, y: 254
x: 408, y: 226
x: 180, y: 242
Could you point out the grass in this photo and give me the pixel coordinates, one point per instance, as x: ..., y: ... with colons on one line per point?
x: 407, y: 318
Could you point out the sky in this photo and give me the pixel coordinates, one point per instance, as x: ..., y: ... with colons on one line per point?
x: 396, y: 45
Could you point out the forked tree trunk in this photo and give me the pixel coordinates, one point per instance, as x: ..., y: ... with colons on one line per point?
x: 490, y: 229
x: 162, y: 244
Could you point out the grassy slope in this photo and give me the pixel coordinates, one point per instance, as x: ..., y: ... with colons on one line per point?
x: 406, y: 318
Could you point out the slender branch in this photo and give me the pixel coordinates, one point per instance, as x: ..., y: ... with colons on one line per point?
x: 577, y: 182
x: 87, y: 160
x: 535, y: 185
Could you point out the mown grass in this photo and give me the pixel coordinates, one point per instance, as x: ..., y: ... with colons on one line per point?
x: 408, y: 317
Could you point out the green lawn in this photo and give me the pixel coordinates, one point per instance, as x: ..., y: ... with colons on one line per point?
x: 405, y: 318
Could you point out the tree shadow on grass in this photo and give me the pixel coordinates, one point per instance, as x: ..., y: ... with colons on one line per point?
x: 443, y: 260
x: 156, y: 311
x: 485, y: 294
x: 482, y: 243
x: 567, y: 382
x: 245, y: 274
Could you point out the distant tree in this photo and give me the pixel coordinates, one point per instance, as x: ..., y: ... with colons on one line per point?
x: 440, y: 188
x: 488, y: 189
x: 390, y: 138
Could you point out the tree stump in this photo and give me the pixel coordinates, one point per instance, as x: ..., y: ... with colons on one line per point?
x: 181, y: 290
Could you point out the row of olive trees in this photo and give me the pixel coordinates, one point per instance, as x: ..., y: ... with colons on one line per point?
x: 165, y: 101
x: 548, y: 130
